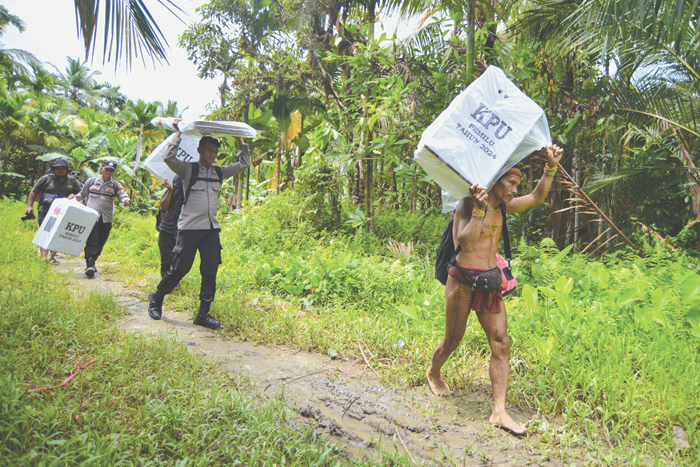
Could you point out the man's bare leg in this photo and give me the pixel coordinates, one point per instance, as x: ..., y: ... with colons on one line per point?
x: 44, y: 254
x: 459, y: 299
x: 495, y: 326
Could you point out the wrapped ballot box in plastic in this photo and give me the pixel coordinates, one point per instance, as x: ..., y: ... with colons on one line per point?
x: 187, y: 152
x: 66, y: 227
x: 199, y: 128
x: 192, y: 131
x: 486, y: 130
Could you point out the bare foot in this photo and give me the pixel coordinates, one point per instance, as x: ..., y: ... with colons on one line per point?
x: 437, y: 385
x: 504, y: 422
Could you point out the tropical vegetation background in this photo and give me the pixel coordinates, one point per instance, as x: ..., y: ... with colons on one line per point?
x: 340, y: 111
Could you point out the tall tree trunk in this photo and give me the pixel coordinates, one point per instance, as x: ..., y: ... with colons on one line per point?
x: 414, y: 190
x: 239, y: 193
x: 369, y: 198
x: 371, y: 18
x: 360, y: 181
x: 290, y: 171
x: 527, y: 225
x: 247, y: 185
x: 601, y: 225
x: 471, y: 20
x: 222, y: 91
x: 613, y: 196
x: 278, y: 170
x: 577, y: 179
x: 139, y: 151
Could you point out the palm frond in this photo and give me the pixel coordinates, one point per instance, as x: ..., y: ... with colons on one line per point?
x: 129, y: 29
x: 612, y: 23
x: 8, y: 18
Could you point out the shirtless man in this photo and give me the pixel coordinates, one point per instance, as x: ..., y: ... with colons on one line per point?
x: 477, y: 228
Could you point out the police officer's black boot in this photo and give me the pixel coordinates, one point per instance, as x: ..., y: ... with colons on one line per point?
x: 90, y: 271
x: 203, y: 318
x: 155, y: 304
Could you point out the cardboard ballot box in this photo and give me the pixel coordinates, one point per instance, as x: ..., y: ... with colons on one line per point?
x: 66, y: 227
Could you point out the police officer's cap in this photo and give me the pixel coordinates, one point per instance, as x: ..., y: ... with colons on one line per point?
x: 109, y: 165
x: 60, y: 163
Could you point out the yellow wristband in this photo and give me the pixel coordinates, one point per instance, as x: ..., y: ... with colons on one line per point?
x: 478, y: 213
x: 547, y: 167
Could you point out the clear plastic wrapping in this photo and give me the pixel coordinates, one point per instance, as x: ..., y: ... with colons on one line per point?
x: 486, y: 130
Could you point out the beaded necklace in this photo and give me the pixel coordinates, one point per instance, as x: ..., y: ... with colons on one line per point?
x: 493, y: 229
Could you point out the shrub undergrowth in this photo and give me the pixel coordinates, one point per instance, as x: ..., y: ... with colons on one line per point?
x: 610, y: 345
x: 143, y: 401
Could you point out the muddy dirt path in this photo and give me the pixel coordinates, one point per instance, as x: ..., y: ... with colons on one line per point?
x: 343, y: 399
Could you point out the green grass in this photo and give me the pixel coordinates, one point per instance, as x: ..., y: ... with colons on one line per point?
x: 144, y: 401
x: 610, y: 346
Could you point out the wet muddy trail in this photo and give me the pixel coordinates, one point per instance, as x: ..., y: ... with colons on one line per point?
x: 343, y: 399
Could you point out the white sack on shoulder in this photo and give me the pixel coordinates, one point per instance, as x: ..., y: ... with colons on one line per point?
x: 199, y: 128
x: 187, y: 152
x: 486, y: 130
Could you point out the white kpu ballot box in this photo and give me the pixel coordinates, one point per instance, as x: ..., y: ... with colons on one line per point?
x: 192, y: 131
x: 187, y: 152
x: 66, y: 227
x: 487, y: 129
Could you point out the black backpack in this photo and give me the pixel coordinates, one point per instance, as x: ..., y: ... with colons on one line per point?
x: 159, y: 218
x: 447, y: 251
x: 194, y: 177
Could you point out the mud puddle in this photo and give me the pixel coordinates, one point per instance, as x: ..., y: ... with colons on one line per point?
x: 343, y: 400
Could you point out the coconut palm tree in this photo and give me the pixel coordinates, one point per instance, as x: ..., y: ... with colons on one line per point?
x: 79, y: 84
x: 14, y: 62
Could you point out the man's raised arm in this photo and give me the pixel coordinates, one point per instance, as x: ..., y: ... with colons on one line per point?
x: 553, y: 154
x: 467, y: 225
x: 170, y: 159
x: 243, y: 160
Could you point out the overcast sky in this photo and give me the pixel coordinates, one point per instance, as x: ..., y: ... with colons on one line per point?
x: 51, y: 35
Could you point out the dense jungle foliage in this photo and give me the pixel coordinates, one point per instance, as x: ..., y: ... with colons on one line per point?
x: 619, y: 86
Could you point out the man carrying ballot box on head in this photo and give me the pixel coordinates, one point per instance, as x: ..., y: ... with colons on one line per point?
x: 198, y: 229
x: 477, y: 228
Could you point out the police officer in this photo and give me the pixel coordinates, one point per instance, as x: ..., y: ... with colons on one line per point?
x: 100, y: 193
x: 170, y: 207
x: 55, y: 184
x: 197, y: 227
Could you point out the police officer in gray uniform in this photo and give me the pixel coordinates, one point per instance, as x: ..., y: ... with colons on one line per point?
x: 197, y: 226
x: 100, y: 193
